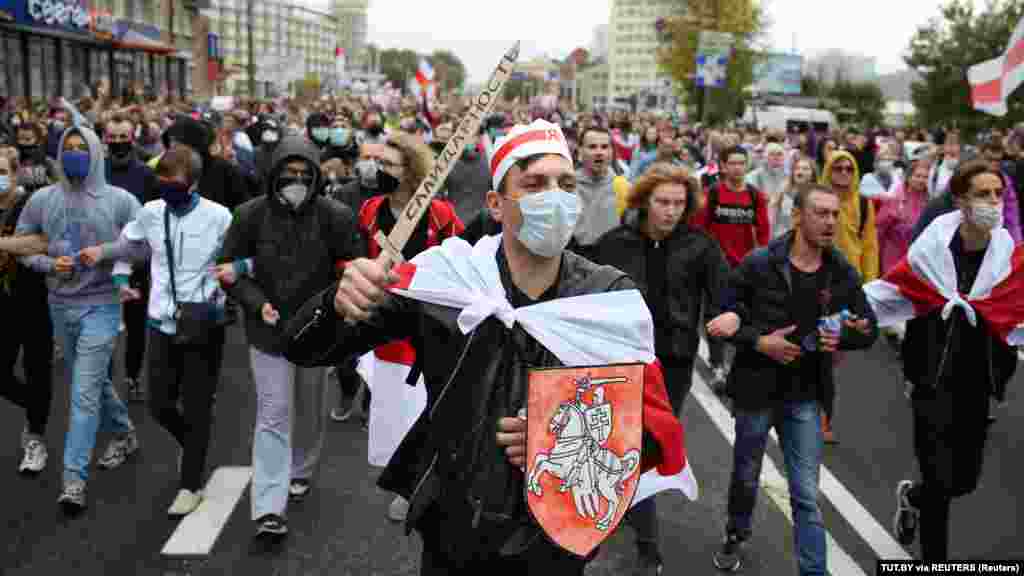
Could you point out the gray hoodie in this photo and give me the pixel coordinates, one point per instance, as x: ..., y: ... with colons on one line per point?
x: 598, y: 211
x: 76, y: 217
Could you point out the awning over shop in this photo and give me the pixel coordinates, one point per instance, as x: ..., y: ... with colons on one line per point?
x: 135, y: 36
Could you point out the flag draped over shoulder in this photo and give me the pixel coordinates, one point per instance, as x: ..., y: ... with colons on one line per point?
x: 926, y: 280
x: 604, y: 328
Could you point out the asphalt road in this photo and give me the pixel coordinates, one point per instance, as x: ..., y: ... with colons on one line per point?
x: 342, y: 529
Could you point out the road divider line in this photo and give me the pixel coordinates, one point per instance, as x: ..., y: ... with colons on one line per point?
x: 198, y: 532
x: 773, y: 483
x: 863, y: 523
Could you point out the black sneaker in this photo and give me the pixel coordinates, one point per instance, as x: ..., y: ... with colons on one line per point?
x: 730, y: 557
x: 134, y: 389
x: 904, y: 522
x: 298, y: 489
x: 271, y: 525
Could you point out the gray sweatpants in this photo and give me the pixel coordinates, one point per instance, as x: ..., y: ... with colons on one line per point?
x: 291, y: 421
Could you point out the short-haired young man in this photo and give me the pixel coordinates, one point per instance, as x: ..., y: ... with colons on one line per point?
x: 461, y: 465
x: 736, y: 215
x: 780, y: 292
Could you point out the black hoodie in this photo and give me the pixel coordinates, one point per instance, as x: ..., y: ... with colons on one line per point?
x: 221, y: 181
x: 297, y: 251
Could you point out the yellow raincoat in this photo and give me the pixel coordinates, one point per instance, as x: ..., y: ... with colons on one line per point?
x: 861, y: 249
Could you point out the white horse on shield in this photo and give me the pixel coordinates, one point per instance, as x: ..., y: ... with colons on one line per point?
x: 581, y: 461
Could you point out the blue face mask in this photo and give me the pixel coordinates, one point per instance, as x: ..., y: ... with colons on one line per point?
x: 549, y: 219
x: 175, y: 194
x: 339, y: 136
x: 320, y: 133
x: 5, y: 183
x: 76, y: 164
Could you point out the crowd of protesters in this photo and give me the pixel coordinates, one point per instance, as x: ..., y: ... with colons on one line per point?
x: 161, y: 217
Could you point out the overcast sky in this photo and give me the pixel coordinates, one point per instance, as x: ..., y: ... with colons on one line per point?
x: 479, y: 32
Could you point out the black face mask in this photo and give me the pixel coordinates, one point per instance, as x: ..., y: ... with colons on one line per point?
x: 120, y: 149
x: 28, y: 151
x: 386, y: 183
x: 438, y: 147
x: 375, y: 130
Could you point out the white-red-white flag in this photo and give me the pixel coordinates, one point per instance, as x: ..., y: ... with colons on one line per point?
x: 992, y: 81
x: 605, y: 328
x: 926, y: 280
x: 425, y: 73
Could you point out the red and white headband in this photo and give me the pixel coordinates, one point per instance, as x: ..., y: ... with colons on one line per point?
x: 522, y: 141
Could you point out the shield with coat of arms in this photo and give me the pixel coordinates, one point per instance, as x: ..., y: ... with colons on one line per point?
x: 584, y: 432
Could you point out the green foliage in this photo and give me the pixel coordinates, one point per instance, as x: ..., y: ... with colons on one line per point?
x: 745, y: 19
x: 865, y: 98
x: 398, y: 66
x: 449, y: 71
x: 942, y: 51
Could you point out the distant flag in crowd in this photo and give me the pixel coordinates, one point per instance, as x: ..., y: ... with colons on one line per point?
x: 992, y: 81
x: 425, y: 73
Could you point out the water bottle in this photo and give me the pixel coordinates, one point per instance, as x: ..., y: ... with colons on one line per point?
x: 832, y: 323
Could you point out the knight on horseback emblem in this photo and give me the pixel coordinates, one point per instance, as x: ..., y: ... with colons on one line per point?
x: 595, y: 458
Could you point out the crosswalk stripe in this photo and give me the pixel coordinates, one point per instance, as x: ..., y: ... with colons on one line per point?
x: 198, y: 532
x: 866, y: 526
x: 773, y: 483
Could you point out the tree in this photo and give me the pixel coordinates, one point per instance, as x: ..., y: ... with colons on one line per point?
x: 449, y: 71
x: 864, y: 98
x: 942, y: 51
x: 744, y: 19
x: 398, y: 66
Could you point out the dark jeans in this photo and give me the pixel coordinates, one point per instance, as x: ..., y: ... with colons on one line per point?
x: 30, y: 330
x: 542, y: 557
x: 800, y: 437
x: 933, y: 522
x: 643, y: 517
x: 349, y: 382
x: 192, y: 372
x: 134, y: 317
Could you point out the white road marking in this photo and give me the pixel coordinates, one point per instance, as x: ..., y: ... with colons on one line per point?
x: 775, y: 485
x: 197, y: 533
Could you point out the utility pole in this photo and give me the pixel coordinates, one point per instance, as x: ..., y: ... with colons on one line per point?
x: 251, y: 49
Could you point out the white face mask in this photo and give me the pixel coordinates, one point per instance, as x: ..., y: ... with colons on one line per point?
x: 549, y: 219
x: 294, y: 194
x: 986, y: 216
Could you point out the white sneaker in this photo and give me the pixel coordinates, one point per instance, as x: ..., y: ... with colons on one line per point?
x: 185, y: 503
x: 398, y: 510
x: 35, y: 456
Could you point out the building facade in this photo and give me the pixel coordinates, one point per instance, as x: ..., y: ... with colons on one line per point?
x: 632, y: 43
x: 282, y: 31
x: 51, y: 48
x: 353, y: 26
x: 592, y: 83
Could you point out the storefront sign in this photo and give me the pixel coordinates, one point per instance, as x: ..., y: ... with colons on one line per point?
x: 68, y: 14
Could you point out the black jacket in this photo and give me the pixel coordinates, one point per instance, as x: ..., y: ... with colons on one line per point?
x: 353, y: 194
x: 760, y: 291
x: 695, y: 269
x: 296, y: 252
x: 20, y: 286
x: 468, y: 184
x: 481, y: 225
x: 450, y: 456
x: 954, y: 368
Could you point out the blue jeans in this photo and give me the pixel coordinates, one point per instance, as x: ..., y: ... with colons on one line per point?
x: 87, y: 334
x: 799, y: 427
